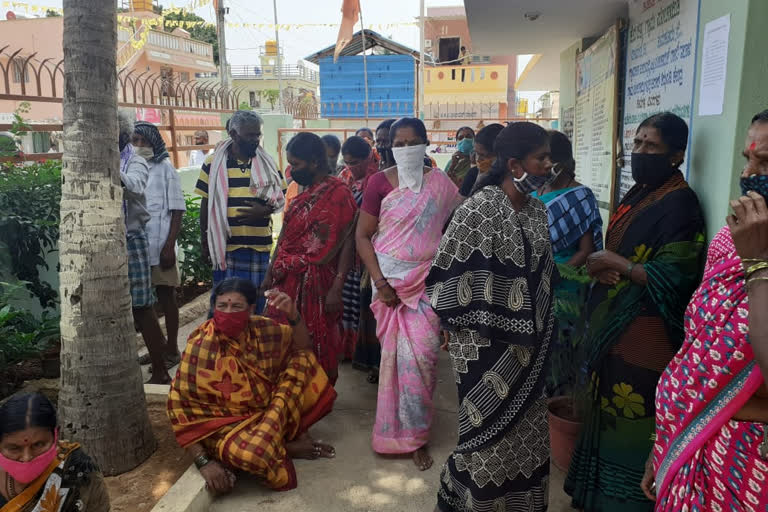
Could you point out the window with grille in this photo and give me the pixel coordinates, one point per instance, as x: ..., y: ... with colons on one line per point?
x: 20, y: 70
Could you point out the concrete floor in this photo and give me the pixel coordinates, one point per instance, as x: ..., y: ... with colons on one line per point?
x: 357, y: 479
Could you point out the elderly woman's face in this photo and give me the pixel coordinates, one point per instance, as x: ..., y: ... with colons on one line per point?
x: 231, y: 302
x: 406, y: 136
x: 756, y: 151
x: 648, y: 140
x: 25, y: 445
x: 139, y: 141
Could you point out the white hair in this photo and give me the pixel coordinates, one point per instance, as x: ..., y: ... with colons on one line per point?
x: 125, y: 121
x: 243, y: 117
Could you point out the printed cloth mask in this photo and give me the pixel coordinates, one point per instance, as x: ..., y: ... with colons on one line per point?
x: 144, y: 152
x: 554, y: 173
x: 527, y: 183
x: 26, y: 472
x: 410, y: 166
x: 466, y: 145
x: 757, y: 183
x: 651, y: 170
x: 231, y: 323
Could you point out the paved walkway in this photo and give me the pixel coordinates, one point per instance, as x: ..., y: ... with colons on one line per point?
x: 357, y: 479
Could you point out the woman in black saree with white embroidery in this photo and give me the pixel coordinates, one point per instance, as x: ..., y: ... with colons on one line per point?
x: 491, y: 285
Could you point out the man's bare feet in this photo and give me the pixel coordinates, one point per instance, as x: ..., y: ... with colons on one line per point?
x: 422, y: 459
x: 304, y: 447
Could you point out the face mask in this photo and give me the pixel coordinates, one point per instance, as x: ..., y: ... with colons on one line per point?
x: 755, y: 183
x: 652, y: 170
x: 386, y: 155
x: 466, y: 145
x: 358, y: 170
x: 231, y: 324
x: 410, y: 166
x: 302, y: 176
x: 554, y: 173
x: 26, y: 472
x: 247, y: 148
x: 144, y: 152
x: 484, y: 164
x: 529, y: 182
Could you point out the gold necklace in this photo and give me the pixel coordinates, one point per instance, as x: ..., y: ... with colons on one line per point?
x: 10, y: 487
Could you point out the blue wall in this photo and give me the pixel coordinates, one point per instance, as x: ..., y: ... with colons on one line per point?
x: 391, y: 86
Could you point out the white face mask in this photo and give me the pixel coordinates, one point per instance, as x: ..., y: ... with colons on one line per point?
x: 410, y: 166
x: 144, y: 152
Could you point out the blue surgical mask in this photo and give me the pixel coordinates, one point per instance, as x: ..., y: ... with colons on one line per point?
x: 466, y: 145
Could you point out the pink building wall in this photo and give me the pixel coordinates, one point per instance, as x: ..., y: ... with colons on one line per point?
x: 43, y: 38
x: 40, y: 36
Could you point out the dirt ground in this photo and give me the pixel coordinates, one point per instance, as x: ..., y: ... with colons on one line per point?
x: 139, y: 490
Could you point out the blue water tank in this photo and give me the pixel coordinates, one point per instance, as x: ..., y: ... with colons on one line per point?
x: 391, y: 86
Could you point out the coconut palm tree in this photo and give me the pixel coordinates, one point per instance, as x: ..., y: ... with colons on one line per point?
x: 101, y: 401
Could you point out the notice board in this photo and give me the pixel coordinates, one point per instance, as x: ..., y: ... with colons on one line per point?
x: 661, y: 68
x: 595, y: 123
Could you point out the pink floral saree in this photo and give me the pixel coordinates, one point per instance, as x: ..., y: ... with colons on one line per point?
x: 704, y: 460
x: 410, y: 228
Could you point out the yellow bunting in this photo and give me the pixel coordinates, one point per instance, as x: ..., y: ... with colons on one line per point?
x: 295, y: 26
x: 31, y: 8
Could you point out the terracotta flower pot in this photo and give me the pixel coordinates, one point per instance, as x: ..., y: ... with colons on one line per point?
x: 564, y: 430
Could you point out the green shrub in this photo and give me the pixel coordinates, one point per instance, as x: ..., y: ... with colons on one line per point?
x: 195, y: 268
x: 29, y: 223
x: 22, y: 335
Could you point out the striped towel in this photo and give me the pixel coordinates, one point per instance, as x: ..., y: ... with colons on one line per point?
x: 266, y: 185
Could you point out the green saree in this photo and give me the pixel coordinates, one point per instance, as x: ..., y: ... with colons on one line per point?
x: 633, y: 331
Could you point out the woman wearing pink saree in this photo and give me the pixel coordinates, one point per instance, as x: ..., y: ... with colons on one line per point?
x: 404, y: 211
x: 711, y: 451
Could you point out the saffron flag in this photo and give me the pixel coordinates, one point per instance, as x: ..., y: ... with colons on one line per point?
x: 350, y: 10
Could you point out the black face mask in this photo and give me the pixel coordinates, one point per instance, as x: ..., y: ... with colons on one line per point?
x: 303, y: 177
x: 247, y: 148
x: 385, y: 152
x: 651, y: 170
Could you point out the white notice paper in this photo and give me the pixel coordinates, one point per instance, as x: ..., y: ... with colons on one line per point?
x: 714, y: 66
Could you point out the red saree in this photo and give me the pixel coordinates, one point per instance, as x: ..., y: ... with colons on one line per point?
x: 315, y: 228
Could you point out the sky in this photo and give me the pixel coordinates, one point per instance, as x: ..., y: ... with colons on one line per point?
x: 243, y: 44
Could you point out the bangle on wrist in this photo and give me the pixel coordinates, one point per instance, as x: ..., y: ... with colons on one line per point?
x: 752, y: 269
x: 378, y: 282
x: 630, y: 268
x: 201, y: 461
x: 296, y: 320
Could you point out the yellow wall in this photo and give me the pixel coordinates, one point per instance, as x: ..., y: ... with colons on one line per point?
x: 457, y: 84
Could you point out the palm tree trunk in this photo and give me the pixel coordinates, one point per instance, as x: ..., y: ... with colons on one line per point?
x: 101, y: 402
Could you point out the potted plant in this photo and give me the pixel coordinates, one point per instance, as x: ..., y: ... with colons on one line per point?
x: 565, y: 380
